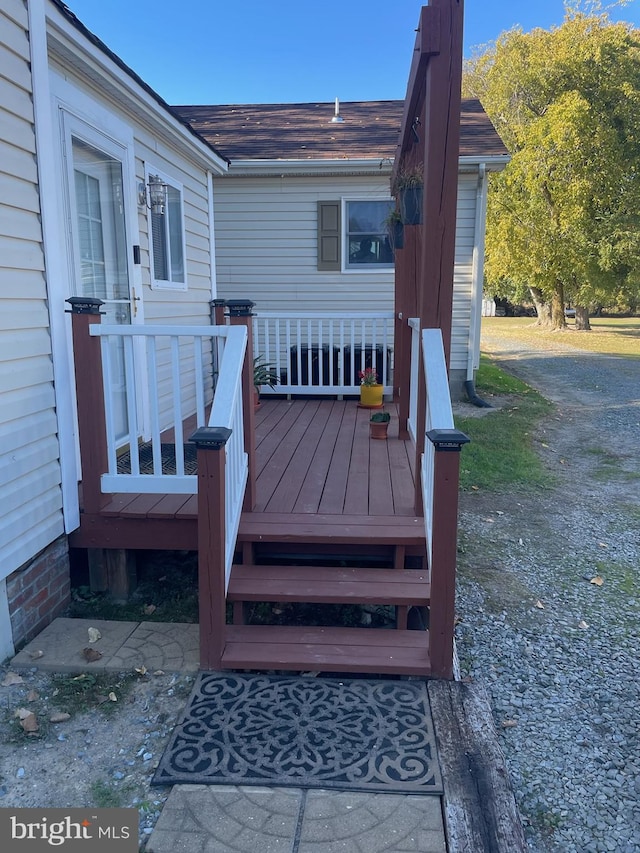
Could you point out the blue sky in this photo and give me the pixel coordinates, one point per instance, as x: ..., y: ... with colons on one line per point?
x: 287, y: 51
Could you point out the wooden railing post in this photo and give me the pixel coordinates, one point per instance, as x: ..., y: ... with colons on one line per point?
x: 90, y: 400
x: 210, y: 443
x: 402, y: 372
x: 447, y: 444
x: 240, y: 315
x: 217, y: 311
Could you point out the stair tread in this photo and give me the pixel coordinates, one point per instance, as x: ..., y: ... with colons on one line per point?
x: 328, y: 584
x: 334, y: 529
x: 326, y: 649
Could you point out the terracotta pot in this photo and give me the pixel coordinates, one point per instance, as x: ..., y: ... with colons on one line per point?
x: 378, y: 429
x: 371, y: 396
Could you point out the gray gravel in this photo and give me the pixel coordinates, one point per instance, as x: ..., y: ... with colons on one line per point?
x: 559, y: 654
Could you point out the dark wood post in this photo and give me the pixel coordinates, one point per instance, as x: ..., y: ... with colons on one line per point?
x: 447, y: 444
x: 240, y: 315
x: 90, y: 400
x: 210, y: 443
x: 441, y: 164
x: 217, y: 311
x: 405, y: 307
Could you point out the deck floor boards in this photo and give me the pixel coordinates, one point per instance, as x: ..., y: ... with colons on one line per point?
x: 315, y: 464
x: 318, y: 458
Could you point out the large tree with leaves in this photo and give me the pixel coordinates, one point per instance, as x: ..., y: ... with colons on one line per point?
x: 564, y: 217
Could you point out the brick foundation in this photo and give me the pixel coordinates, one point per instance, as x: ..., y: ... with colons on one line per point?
x: 39, y: 591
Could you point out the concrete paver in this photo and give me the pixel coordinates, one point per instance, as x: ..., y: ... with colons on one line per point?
x: 63, y: 641
x: 240, y: 819
x: 340, y: 821
x: 230, y: 819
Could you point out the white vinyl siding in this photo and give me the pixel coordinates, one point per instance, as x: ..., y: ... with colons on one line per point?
x: 171, y: 303
x: 30, y: 476
x: 267, y: 248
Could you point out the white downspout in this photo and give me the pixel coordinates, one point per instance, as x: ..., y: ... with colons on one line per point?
x: 477, y: 274
x: 212, y: 238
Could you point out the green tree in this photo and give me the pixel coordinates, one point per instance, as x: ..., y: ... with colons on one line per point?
x: 563, y: 218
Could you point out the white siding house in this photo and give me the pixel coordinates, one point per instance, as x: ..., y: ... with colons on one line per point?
x: 30, y: 493
x: 82, y: 139
x: 285, y: 158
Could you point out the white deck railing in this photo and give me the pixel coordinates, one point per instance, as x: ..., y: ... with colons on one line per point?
x: 183, y: 351
x: 174, y: 382
x: 226, y: 411
x: 323, y: 353
x: 439, y: 415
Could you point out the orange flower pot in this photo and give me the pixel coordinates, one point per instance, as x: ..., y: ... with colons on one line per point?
x: 371, y: 396
x: 379, y: 430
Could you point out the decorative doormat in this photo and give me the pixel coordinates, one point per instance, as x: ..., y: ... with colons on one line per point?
x: 168, y: 454
x: 305, y: 732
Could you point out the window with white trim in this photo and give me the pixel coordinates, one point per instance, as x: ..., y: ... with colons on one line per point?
x: 366, y: 235
x: 167, y: 238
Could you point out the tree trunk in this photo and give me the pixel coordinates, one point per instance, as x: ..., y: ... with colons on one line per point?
x: 543, y: 308
x: 582, y: 319
x: 558, y: 320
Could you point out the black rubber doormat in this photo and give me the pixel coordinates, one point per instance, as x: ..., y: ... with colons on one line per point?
x: 168, y: 456
x: 306, y: 732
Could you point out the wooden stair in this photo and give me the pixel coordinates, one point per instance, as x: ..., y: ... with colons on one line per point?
x: 355, y: 650
x: 399, y: 650
x: 328, y: 585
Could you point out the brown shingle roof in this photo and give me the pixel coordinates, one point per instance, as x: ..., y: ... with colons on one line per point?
x: 305, y: 132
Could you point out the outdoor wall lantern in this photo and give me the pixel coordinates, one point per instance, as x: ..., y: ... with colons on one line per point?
x: 153, y: 195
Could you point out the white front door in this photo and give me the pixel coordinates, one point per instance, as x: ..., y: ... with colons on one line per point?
x: 100, y: 247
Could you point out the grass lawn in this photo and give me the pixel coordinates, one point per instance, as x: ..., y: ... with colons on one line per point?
x: 502, y: 450
x: 609, y: 335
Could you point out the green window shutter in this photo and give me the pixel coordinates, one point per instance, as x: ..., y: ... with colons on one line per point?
x: 329, y: 235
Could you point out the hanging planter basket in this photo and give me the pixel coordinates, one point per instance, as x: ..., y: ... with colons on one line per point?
x: 411, y: 205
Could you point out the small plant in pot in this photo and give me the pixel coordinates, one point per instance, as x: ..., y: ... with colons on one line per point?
x: 408, y: 187
x: 263, y: 374
x: 379, y: 424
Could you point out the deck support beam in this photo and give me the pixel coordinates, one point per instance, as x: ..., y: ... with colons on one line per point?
x: 210, y: 443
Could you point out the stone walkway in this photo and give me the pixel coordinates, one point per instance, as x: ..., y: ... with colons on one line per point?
x: 230, y: 819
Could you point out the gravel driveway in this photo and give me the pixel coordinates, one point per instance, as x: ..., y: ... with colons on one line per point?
x: 559, y: 653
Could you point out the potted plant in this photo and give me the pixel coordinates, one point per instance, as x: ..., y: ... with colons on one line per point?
x: 408, y: 187
x: 395, y: 229
x: 371, y: 392
x: 379, y: 424
x: 263, y: 374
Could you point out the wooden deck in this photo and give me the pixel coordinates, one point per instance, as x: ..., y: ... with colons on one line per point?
x: 325, y: 492
x: 315, y: 456
x: 318, y: 473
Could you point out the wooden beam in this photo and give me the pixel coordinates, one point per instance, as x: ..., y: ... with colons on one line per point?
x: 480, y: 812
x: 444, y: 549
x: 441, y: 154
x: 90, y: 400
x: 210, y: 443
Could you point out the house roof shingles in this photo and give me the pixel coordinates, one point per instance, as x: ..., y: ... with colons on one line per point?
x: 370, y: 129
